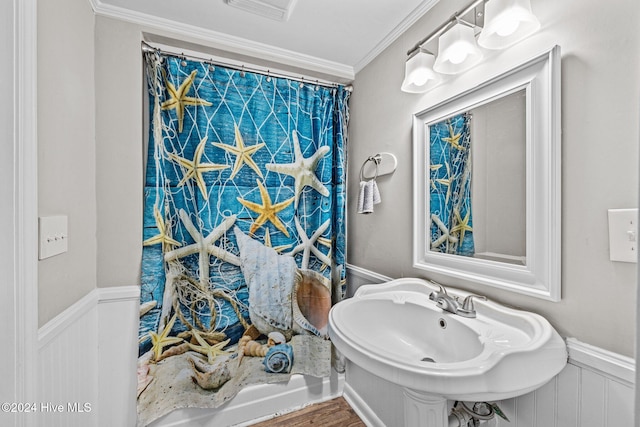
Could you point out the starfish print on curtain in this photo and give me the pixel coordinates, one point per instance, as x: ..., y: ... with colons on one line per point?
x: 161, y: 340
x: 302, y: 170
x: 307, y: 245
x: 204, y: 246
x: 267, y: 210
x: 195, y: 168
x: 242, y: 153
x: 179, y: 99
x: 162, y: 236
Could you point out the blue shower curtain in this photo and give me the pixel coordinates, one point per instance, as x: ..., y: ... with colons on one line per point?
x: 244, y: 218
x: 451, y: 220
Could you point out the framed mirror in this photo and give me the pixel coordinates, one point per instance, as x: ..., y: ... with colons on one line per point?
x: 487, y: 182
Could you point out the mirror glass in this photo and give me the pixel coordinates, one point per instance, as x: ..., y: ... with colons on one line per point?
x: 487, y: 181
x: 477, y: 181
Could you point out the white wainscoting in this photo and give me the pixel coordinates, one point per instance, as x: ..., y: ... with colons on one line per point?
x: 596, y: 388
x: 87, y: 361
x: 88, y: 354
x: 118, y: 317
x: 68, y: 366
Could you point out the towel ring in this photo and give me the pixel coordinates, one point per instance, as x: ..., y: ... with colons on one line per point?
x: 376, y: 160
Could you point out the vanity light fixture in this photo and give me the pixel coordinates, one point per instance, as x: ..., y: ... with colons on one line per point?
x: 457, y: 50
x: 506, y: 23
x: 418, y: 73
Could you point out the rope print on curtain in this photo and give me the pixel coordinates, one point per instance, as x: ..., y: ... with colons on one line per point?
x: 450, y: 186
x: 245, y: 184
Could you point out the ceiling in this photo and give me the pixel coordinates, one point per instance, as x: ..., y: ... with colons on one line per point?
x: 339, y: 34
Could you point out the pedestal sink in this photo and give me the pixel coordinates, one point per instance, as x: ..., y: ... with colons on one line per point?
x: 394, y: 331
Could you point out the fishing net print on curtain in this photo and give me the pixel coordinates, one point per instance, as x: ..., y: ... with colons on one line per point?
x: 450, y: 186
x: 244, y: 232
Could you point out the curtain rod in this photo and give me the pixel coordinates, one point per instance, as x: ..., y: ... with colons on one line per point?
x: 147, y: 48
x: 455, y: 17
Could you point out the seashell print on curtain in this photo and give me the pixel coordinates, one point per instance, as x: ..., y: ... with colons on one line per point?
x: 244, y: 232
x: 450, y: 186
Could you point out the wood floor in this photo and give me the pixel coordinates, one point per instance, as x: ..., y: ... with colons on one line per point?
x: 332, y: 413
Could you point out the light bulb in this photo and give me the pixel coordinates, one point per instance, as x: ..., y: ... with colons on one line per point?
x: 457, y: 50
x: 457, y: 53
x: 419, y: 77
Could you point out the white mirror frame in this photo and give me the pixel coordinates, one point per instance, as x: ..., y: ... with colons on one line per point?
x: 541, y: 276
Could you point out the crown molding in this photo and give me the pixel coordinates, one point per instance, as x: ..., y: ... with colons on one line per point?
x: 227, y: 42
x: 400, y: 29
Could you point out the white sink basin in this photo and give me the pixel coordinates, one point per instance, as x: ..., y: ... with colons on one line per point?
x: 396, y: 332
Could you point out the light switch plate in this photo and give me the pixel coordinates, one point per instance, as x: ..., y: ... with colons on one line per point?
x: 623, y: 235
x: 53, y: 235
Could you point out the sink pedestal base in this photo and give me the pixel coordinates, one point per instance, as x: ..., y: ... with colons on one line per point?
x: 423, y: 409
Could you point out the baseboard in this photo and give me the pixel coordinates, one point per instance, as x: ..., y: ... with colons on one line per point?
x: 361, y: 408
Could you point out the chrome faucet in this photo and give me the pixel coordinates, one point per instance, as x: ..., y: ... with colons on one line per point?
x: 444, y: 300
x: 468, y: 309
x: 452, y: 304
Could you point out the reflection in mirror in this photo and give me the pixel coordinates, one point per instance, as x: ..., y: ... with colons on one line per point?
x: 486, y: 184
x: 477, y: 175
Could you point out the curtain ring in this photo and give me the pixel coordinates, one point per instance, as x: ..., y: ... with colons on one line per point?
x: 374, y: 159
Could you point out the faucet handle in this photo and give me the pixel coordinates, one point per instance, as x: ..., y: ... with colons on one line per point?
x: 439, y: 293
x: 468, y: 309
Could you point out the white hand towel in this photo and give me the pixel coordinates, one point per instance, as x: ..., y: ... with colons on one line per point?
x: 362, y: 196
x: 369, y: 195
x: 375, y: 192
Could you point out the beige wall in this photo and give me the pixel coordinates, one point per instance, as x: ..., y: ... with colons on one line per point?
x: 498, y: 153
x: 66, y: 149
x: 600, y: 88
x: 119, y: 135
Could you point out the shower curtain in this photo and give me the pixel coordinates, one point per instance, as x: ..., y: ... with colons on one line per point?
x: 244, y: 231
x: 450, y: 186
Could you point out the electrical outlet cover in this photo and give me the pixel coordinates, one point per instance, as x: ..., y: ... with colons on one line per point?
x: 53, y: 235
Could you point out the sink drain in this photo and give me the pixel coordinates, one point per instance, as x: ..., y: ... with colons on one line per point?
x: 428, y: 359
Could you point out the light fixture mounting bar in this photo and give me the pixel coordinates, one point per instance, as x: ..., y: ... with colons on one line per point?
x: 454, y: 18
